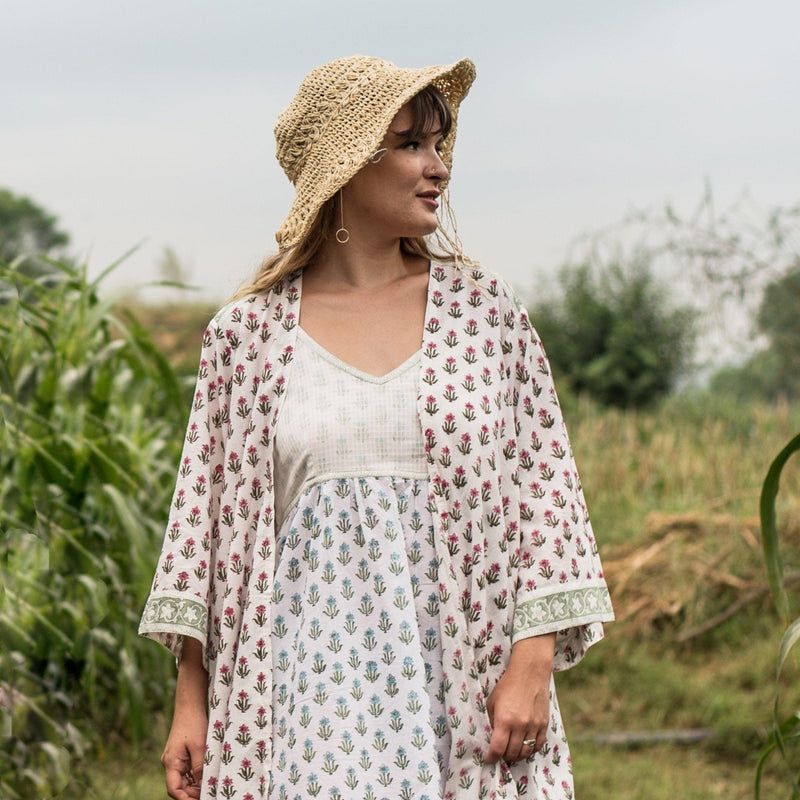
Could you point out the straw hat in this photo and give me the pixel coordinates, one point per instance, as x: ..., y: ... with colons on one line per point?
x: 338, y: 119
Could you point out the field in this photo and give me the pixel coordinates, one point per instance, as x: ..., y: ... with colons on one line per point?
x: 675, y: 498
x: 673, y: 494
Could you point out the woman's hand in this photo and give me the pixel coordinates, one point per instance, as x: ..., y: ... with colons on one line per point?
x: 519, y: 705
x: 186, y: 744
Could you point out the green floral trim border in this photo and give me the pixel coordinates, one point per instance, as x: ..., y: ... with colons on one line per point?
x: 563, y: 610
x: 174, y: 615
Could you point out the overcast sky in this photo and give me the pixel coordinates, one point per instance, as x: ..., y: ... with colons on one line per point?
x: 151, y: 121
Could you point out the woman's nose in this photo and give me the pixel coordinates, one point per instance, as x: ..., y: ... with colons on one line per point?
x: 436, y: 167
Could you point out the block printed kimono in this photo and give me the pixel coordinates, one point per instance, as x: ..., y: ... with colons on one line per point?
x: 515, y: 549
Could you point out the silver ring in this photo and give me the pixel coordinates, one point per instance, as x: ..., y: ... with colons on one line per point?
x: 529, y: 742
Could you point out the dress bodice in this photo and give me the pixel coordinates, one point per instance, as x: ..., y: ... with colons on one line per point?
x: 338, y: 421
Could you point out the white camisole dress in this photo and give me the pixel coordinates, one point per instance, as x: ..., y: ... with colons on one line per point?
x: 358, y: 701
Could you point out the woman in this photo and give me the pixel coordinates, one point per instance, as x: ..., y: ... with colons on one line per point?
x: 378, y: 550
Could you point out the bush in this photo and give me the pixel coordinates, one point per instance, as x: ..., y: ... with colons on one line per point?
x: 773, y: 371
x: 612, y: 334
x: 89, y: 439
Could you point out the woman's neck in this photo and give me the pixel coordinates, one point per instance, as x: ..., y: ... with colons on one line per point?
x: 362, y: 266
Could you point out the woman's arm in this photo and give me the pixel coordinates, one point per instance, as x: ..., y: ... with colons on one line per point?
x: 519, y: 705
x: 186, y: 744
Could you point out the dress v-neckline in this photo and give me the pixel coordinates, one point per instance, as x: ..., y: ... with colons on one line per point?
x: 354, y: 371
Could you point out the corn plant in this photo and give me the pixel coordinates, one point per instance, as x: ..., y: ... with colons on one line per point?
x: 91, y: 418
x: 787, y: 730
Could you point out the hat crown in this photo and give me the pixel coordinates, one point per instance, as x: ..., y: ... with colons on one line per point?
x: 323, y: 95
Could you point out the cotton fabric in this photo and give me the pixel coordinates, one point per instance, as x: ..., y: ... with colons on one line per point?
x: 358, y: 701
x: 515, y: 549
x: 338, y: 421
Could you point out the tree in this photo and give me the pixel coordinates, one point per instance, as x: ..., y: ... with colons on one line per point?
x: 612, y: 333
x: 774, y: 370
x: 172, y: 269
x: 779, y: 320
x: 26, y: 228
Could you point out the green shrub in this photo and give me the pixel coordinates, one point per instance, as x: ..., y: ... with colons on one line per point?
x: 773, y: 371
x: 612, y: 334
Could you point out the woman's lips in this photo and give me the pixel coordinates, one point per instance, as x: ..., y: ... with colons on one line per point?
x: 430, y: 198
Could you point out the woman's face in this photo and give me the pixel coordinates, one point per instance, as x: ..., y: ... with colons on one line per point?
x: 397, y: 196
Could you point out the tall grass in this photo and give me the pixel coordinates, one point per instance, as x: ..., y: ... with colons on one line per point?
x: 90, y: 411
x: 693, y: 453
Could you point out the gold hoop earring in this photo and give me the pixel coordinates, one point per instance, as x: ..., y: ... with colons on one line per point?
x: 378, y: 155
x: 342, y: 235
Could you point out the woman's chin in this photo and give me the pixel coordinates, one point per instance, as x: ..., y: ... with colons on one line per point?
x: 427, y: 230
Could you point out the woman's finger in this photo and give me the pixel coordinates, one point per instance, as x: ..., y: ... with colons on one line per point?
x: 514, y: 753
x: 182, y: 779
x: 498, y: 745
x: 530, y: 745
x: 520, y: 745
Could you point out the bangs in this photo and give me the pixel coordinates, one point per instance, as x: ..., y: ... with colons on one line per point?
x: 431, y: 113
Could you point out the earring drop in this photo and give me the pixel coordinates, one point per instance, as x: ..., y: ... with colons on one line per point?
x: 378, y: 155
x: 342, y: 235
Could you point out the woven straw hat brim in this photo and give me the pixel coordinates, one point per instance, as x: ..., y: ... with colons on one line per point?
x: 353, y: 130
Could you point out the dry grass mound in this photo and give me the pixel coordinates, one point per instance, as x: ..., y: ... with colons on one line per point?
x: 691, y: 572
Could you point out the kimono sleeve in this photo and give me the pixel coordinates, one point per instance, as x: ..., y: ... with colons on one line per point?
x: 560, y: 583
x: 180, y: 598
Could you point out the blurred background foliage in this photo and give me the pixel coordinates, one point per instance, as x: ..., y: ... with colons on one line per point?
x: 88, y: 447
x: 612, y: 335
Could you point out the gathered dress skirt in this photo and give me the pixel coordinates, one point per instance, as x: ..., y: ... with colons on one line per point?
x: 358, y: 698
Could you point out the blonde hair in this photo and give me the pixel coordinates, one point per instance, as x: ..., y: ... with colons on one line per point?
x: 430, y: 107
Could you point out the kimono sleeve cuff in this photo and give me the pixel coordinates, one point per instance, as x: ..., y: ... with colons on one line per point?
x: 538, y: 613
x: 166, y: 618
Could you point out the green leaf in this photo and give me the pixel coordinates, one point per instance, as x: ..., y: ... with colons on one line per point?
x: 789, y: 640
x: 769, y: 528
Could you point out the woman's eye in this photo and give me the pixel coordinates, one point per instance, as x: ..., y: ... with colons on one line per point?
x: 414, y: 145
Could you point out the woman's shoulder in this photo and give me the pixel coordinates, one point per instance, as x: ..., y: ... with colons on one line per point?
x: 279, y: 300
x: 463, y: 274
